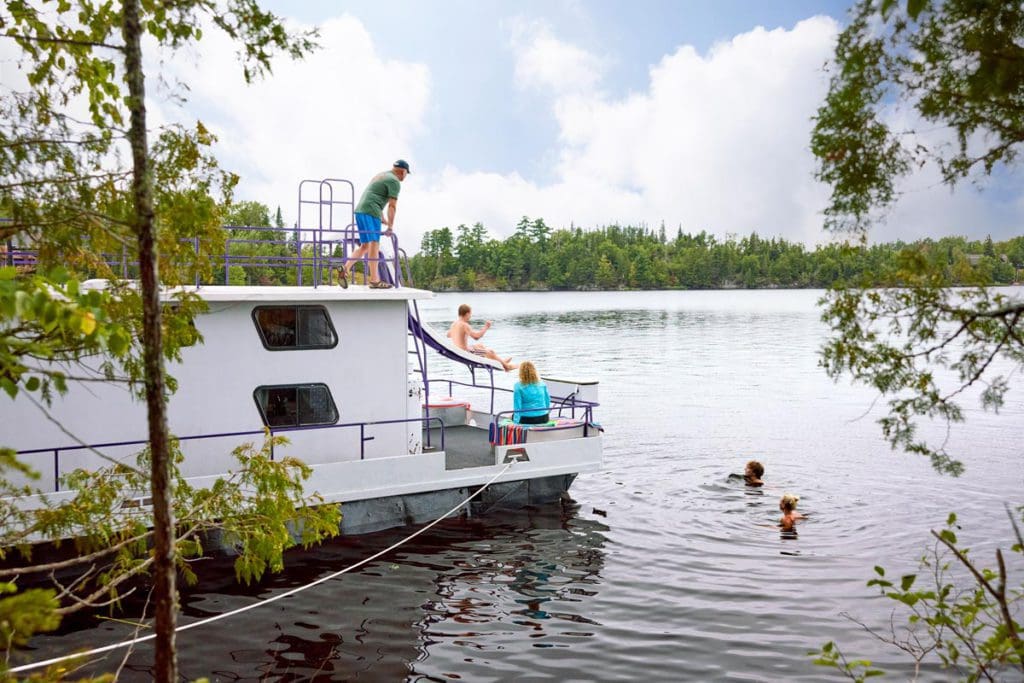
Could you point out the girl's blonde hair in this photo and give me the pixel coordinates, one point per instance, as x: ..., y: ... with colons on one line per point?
x: 789, y: 500
x: 528, y: 373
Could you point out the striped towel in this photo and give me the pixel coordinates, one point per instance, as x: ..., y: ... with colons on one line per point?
x: 508, y: 433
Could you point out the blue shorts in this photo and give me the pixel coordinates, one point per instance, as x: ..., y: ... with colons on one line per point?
x: 369, y: 228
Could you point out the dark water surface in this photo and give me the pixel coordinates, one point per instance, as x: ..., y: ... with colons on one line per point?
x: 663, y: 570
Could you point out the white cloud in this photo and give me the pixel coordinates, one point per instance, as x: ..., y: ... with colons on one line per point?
x: 716, y: 141
x: 543, y: 62
x: 343, y: 111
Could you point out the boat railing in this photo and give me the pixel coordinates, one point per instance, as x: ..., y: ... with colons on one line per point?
x: 571, y: 403
x: 586, y: 420
x: 311, y: 257
x: 270, y: 431
x: 320, y: 241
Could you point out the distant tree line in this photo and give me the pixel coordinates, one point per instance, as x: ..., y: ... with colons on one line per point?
x: 535, y: 257
x: 631, y: 257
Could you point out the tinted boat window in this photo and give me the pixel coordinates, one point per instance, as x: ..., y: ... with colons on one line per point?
x: 296, y: 405
x: 286, y: 328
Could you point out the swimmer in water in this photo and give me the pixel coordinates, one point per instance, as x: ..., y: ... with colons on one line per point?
x: 789, y: 513
x: 753, y: 473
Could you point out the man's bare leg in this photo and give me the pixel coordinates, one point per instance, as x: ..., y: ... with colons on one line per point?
x: 374, y: 248
x: 352, y: 259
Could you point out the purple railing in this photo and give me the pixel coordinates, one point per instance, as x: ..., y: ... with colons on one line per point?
x: 586, y: 422
x: 325, y: 225
x: 571, y: 403
x: 221, y: 435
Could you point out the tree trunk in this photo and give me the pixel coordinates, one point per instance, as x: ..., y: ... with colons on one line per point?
x: 164, y: 592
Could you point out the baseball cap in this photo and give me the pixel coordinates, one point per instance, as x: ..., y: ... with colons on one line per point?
x: 402, y: 163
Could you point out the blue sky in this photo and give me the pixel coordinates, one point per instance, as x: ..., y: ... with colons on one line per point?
x: 692, y: 114
x: 474, y: 117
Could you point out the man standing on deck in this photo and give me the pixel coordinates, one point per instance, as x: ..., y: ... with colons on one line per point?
x: 383, y: 189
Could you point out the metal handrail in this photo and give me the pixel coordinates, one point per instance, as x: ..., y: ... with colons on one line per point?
x: 587, y: 420
x: 331, y: 194
x: 572, y: 400
x: 271, y: 430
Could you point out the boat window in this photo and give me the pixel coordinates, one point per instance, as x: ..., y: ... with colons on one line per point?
x: 289, y: 328
x: 296, y: 405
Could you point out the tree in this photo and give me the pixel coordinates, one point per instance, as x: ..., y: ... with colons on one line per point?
x: 258, y: 249
x: 959, y: 66
x: 248, y: 214
x: 64, y: 186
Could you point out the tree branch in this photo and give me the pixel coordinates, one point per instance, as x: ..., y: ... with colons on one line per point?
x: 61, y: 41
x: 65, y: 180
x: 998, y: 594
x: 65, y: 564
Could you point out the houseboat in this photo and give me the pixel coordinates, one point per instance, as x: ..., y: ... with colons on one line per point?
x: 348, y: 375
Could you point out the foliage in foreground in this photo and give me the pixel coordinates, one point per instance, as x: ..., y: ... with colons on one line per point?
x: 953, y: 69
x: 956, y: 65
x: 258, y: 511
x: 924, y: 345
x: 973, y: 631
x: 80, y: 177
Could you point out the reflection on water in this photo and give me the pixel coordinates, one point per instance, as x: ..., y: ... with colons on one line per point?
x: 467, y: 585
x: 667, y: 570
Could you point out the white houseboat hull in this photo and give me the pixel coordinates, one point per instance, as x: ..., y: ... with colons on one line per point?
x: 370, y: 457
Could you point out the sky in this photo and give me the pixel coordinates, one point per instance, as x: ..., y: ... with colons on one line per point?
x: 695, y: 114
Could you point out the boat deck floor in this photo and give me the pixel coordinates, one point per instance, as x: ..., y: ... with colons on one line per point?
x: 464, y: 446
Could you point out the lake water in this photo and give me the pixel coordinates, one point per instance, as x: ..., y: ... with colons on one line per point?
x: 664, y: 570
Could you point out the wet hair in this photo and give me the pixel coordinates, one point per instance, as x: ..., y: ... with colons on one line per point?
x: 789, y: 501
x: 464, y: 309
x: 756, y: 467
x: 528, y: 373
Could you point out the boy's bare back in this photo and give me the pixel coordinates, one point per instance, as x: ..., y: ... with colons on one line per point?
x: 459, y: 333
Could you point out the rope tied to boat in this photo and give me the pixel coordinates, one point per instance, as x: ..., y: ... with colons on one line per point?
x: 273, y: 598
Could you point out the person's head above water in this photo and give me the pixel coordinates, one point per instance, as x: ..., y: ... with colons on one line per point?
x: 753, y: 473
x: 788, y: 502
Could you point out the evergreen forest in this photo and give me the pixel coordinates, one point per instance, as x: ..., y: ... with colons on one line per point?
x: 535, y: 257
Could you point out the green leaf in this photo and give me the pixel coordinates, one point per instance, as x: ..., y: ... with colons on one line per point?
x: 8, y: 386
x: 32, y: 384
x: 117, y: 343
x: 914, y: 8
x: 59, y: 274
x: 907, y: 581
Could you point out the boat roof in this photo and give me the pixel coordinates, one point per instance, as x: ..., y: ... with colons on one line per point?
x: 288, y: 293
x: 321, y: 293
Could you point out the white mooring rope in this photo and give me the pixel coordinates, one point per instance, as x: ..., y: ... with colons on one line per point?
x: 275, y: 598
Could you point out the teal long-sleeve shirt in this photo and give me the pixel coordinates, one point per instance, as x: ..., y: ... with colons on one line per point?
x: 530, y: 400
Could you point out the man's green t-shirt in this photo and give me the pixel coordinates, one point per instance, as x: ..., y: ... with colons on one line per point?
x: 383, y: 187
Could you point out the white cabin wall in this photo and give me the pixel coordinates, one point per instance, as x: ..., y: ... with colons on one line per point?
x: 90, y: 413
x: 366, y: 372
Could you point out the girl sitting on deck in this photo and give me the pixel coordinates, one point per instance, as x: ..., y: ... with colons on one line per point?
x: 530, y: 398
